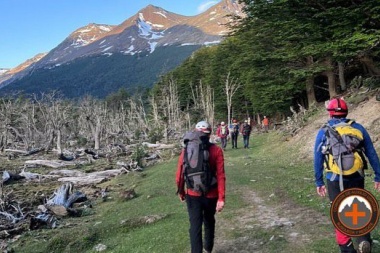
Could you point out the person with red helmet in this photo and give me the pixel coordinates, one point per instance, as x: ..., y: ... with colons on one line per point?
x: 338, y: 110
x: 202, y: 206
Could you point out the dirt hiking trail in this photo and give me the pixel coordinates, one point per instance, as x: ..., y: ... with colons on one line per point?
x: 287, y: 221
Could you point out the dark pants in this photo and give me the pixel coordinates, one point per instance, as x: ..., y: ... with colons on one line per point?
x: 201, y: 211
x: 223, y: 141
x: 234, y: 137
x: 246, y: 141
x: 333, y: 191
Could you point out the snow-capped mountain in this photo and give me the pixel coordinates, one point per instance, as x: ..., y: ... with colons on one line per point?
x: 150, y: 29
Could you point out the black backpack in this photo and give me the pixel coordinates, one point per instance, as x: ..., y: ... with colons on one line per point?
x: 196, y: 167
x: 246, y: 129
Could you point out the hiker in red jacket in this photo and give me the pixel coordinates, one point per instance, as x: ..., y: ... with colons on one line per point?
x: 266, y: 124
x: 222, y: 132
x: 203, y: 206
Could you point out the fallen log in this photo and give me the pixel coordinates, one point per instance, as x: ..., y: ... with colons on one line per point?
x: 158, y: 145
x: 75, y: 176
x: 50, y: 163
x: 67, y: 173
x: 9, y: 176
x: 24, y: 152
x: 108, y: 173
x: 85, y: 180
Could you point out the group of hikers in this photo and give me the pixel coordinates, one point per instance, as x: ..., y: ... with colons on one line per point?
x: 224, y: 132
x: 201, y: 179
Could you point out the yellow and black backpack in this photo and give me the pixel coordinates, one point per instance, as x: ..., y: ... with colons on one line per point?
x: 343, y: 149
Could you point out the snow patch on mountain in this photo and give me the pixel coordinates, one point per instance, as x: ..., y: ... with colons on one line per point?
x: 2, y: 71
x: 207, y: 43
x: 160, y: 13
x: 105, y: 28
x: 145, y: 29
x: 152, y: 46
x: 106, y: 49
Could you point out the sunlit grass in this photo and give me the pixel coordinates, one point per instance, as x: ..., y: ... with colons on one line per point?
x: 269, y: 168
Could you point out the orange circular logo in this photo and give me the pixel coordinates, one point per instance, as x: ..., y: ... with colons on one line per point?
x: 355, y: 212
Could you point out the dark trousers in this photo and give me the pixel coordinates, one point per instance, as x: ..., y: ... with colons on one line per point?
x: 201, y: 211
x: 333, y: 191
x: 246, y: 141
x: 223, y: 141
x: 234, y: 137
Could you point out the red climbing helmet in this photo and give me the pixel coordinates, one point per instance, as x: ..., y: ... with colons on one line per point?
x: 337, y: 107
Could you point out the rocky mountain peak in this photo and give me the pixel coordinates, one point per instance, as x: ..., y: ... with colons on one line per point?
x: 214, y: 20
x: 89, y: 33
x: 157, y: 18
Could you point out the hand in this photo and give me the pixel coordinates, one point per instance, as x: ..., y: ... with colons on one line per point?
x: 321, y: 190
x: 182, y: 197
x: 377, y: 186
x: 219, y: 206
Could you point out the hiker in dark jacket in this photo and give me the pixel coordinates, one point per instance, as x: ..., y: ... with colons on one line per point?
x: 202, y: 207
x: 234, y: 133
x: 246, y: 132
x: 338, y: 111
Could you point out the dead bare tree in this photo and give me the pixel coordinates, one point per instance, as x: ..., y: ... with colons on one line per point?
x: 92, y: 116
x: 12, y: 129
x: 230, y: 88
x: 166, y: 108
x: 203, y: 97
x: 56, y: 114
x: 137, y: 116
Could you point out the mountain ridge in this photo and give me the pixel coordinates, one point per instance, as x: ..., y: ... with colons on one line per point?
x: 141, y: 34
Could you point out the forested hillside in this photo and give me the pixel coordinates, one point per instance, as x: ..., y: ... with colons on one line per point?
x: 286, y: 53
x: 99, y: 76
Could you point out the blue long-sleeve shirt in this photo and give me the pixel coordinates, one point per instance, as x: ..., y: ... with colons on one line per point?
x: 369, y: 152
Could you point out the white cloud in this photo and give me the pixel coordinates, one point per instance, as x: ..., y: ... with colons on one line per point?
x: 204, y: 6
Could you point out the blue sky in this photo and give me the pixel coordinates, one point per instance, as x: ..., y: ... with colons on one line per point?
x: 29, y: 27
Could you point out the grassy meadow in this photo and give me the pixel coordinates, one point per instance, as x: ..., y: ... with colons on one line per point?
x: 264, y: 183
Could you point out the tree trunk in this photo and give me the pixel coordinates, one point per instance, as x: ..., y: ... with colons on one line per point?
x: 342, y: 80
x: 331, y: 78
x: 310, y: 91
x: 231, y: 86
x: 59, y: 137
x: 310, y: 85
x: 371, y: 67
x: 50, y: 140
x: 331, y: 83
x: 97, y: 135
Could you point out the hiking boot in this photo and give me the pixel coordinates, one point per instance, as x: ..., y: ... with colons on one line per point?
x: 347, y: 248
x: 364, y: 247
